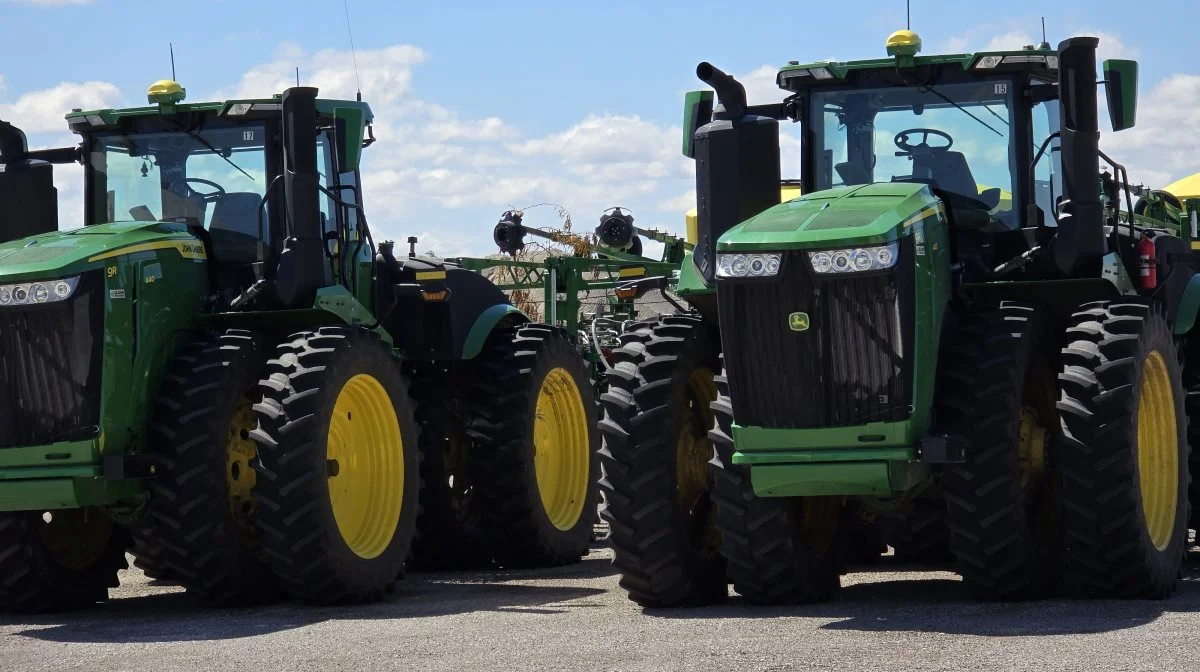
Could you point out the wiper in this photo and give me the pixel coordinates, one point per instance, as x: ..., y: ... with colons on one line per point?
x: 930, y: 89
x: 200, y: 139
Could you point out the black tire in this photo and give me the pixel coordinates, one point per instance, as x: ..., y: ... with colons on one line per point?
x: 1191, y: 384
x: 664, y: 546
x: 147, y: 552
x: 66, y: 563
x: 779, y: 550
x: 1111, y: 550
x: 1004, y: 518
x: 503, y: 384
x: 203, y: 413
x: 918, y: 533
x: 297, y: 514
x: 449, y: 534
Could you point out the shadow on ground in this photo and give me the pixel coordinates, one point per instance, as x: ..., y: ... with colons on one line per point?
x: 175, y: 617
x: 940, y: 605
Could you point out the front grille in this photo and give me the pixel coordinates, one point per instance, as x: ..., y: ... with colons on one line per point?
x: 50, y: 359
x: 850, y: 367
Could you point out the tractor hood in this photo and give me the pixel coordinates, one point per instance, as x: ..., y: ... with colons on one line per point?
x: 840, y: 217
x: 64, y: 253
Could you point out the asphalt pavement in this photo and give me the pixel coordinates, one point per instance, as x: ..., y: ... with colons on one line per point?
x: 577, y: 618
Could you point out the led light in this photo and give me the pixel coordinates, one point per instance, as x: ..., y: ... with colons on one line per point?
x: 47, y: 291
x: 821, y: 73
x: 748, y: 265
x: 988, y: 62
x: 857, y: 260
x: 822, y: 262
x: 238, y: 109
x: 95, y: 120
x: 1052, y: 62
x: 1025, y: 59
x: 739, y: 265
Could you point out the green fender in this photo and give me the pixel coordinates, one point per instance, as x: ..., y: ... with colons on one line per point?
x: 1189, y: 305
x: 484, y: 324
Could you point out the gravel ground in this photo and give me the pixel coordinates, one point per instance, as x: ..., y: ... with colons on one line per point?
x: 576, y: 618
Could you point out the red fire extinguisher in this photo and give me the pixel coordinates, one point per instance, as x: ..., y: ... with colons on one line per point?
x: 1147, y: 263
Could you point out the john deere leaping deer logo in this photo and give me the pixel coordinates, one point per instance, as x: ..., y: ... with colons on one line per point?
x: 798, y: 321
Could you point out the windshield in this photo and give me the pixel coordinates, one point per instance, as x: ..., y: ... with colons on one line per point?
x: 953, y: 136
x: 179, y: 175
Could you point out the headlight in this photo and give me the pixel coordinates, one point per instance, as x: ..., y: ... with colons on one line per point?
x: 856, y: 260
x: 747, y: 265
x: 44, y: 291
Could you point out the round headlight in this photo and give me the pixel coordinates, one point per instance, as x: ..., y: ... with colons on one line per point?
x: 822, y: 262
x: 861, y: 260
x: 772, y: 265
x: 841, y: 260
x: 5, y: 295
x: 757, y: 265
x: 62, y: 289
x: 41, y: 293
x: 740, y: 264
x: 20, y: 294
x: 884, y: 256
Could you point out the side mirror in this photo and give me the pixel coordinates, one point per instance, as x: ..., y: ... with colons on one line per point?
x: 348, y: 135
x: 1120, y: 85
x: 697, y: 111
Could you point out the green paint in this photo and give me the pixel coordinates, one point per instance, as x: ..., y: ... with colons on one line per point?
x: 697, y: 111
x: 483, y: 326
x: 815, y: 480
x: 843, y: 216
x: 691, y: 283
x: 787, y: 79
x: 1189, y: 306
x: 1121, y: 80
x: 751, y: 441
x: 350, y: 124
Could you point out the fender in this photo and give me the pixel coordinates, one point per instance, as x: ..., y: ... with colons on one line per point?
x: 1188, y: 306
x: 485, y: 323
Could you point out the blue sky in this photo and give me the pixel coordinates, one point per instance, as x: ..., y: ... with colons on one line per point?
x: 482, y: 105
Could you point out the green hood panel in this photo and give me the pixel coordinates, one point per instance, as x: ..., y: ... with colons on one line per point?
x: 854, y: 215
x: 63, y: 253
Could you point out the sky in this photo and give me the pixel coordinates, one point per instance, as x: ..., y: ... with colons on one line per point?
x: 485, y: 106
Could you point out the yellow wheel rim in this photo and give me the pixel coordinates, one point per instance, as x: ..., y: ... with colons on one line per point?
x: 561, y: 449
x: 365, y: 465
x: 1158, y: 450
x: 693, y: 450
x: 239, y: 475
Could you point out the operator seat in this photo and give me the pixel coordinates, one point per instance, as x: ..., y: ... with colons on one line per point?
x: 949, y: 172
x: 234, y: 228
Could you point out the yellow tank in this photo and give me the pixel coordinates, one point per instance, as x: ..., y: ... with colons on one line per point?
x: 1188, y: 187
x: 787, y: 191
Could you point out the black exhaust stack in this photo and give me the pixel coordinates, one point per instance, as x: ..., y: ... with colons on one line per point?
x: 28, y: 199
x: 1080, y: 245
x: 737, y: 166
x: 302, y: 269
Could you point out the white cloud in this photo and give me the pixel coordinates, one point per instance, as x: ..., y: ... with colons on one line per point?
x: 1159, y: 149
x: 42, y: 111
x: 681, y: 203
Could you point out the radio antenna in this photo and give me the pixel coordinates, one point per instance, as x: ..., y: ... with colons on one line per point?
x: 353, y: 55
x: 908, y: 14
x: 297, y: 75
x: 172, y: 46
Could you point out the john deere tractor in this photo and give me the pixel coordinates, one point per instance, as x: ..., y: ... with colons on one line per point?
x: 962, y: 312
x: 221, y: 372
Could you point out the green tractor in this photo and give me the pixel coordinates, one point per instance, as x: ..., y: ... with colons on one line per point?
x: 962, y: 316
x: 221, y: 373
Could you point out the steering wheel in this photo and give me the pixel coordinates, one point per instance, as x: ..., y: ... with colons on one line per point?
x: 210, y: 197
x: 901, y: 140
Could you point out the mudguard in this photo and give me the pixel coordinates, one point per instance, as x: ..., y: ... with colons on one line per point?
x: 1188, y: 307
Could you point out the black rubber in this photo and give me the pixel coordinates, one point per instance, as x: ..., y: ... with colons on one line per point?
x: 1001, y: 360
x: 33, y: 581
x: 656, y: 543
x: 1191, y: 386
x: 194, y: 530
x: 147, y: 552
x: 772, y: 556
x: 502, y: 384
x: 1109, y: 551
x: 300, y: 535
x: 918, y: 533
x: 449, y: 536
